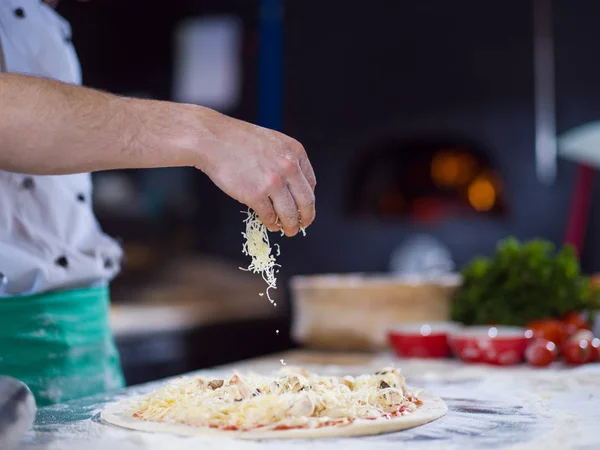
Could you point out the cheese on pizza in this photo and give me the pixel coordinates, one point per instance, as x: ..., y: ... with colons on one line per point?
x: 292, y: 399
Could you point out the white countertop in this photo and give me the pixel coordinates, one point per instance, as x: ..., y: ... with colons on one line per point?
x: 490, y: 407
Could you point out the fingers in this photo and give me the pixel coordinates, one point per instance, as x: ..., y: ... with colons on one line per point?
x: 266, y: 213
x: 304, y: 197
x: 308, y: 172
x: 287, y: 211
x: 285, y: 199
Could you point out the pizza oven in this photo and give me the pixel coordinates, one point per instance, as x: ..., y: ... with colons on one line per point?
x: 423, y: 118
x: 424, y: 179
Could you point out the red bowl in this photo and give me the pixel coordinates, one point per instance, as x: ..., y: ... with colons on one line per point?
x: 500, y: 346
x: 421, y: 340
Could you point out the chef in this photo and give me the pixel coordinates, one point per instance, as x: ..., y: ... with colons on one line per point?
x: 55, y: 261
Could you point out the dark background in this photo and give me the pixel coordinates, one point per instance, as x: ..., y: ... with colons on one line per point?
x: 355, y: 72
x: 358, y: 74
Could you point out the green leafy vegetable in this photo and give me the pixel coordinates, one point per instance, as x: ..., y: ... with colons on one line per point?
x: 520, y: 283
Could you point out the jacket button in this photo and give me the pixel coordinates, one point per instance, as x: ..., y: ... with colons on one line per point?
x: 62, y: 261
x: 28, y: 183
x: 20, y: 13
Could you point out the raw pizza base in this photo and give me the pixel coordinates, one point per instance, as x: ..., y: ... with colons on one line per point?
x: 433, y: 408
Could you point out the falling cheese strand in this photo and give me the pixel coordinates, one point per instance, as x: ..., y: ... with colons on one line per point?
x: 257, y: 246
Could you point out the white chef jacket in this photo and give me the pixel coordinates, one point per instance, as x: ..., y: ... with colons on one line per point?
x: 49, y: 236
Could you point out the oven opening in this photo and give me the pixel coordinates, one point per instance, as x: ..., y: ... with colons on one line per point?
x: 425, y: 180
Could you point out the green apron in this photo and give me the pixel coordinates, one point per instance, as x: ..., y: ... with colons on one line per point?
x: 60, y: 344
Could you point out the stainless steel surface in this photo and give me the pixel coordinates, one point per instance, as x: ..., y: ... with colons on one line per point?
x: 545, y: 115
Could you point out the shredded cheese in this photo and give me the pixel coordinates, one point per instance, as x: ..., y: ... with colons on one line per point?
x: 293, y: 398
x: 257, y: 246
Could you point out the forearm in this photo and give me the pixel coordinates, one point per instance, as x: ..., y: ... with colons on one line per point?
x: 47, y: 127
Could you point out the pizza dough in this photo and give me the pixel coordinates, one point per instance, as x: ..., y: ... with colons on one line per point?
x: 432, y: 408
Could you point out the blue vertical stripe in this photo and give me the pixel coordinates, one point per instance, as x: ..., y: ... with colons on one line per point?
x: 270, y: 64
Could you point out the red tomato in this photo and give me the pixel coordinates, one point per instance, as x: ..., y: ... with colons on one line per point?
x: 595, y: 353
x: 582, y: 335
x: 573, y: 322
x: 550, y: 329
x: 578, y: 351
x: 541, y: 352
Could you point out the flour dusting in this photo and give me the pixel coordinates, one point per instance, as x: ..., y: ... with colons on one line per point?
x: 500, y: 408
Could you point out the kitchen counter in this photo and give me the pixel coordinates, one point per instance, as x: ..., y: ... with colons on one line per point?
x: 503, y: 408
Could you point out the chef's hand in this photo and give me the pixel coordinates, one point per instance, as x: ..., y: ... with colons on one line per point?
x: 266, y: 170
x: 43, y: 131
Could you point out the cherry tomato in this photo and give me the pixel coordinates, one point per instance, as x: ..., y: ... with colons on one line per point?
x: 541, y: 352
x: 578, y: 351
x: 573, y: 322
x: 550, y: 329
x: 595, y: 353
x: 582, y: 335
